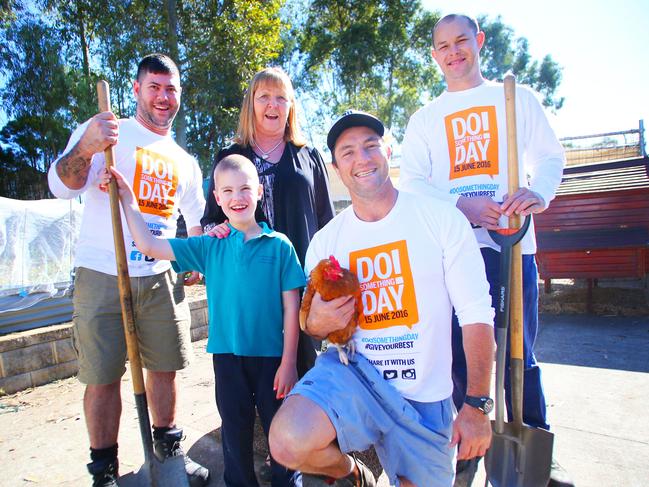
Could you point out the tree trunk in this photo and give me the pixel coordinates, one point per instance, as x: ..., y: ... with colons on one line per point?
x: 172, y: 42
x: 390, y: 105
x: 84, y: 48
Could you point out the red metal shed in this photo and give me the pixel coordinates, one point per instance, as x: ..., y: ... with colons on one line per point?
x: 598, y: 224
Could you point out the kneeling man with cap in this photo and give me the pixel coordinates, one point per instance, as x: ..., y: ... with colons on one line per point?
x: 416, y: 259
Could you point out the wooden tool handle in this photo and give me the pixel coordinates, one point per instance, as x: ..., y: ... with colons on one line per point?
x: 516, y: 284
x: 513, y: 176
x: 123, y: 281
x: 516, y: 306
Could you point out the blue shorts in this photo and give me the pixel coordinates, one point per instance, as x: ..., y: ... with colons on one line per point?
x: 411, y: 438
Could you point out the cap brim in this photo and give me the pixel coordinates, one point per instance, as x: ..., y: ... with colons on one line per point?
x: 353, y: 120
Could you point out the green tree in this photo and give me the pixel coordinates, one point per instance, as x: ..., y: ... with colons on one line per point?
x: 18, y: 179
x: 36, y: 96
x: 371, y: 55
x: 503, y: 52
x: 116, y: 50
x: 54, y: 51
x: 36, y: 93
x: 224, y: 44
x: 218, y: 46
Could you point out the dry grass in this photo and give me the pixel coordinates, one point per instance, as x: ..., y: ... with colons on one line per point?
x: 570, y: 297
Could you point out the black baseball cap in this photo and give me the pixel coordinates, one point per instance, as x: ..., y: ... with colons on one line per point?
x: 349, y: 119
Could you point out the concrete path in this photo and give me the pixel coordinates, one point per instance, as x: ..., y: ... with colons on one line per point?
x: 596, y: 374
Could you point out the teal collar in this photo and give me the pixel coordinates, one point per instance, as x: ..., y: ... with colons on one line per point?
x: 265, y: 231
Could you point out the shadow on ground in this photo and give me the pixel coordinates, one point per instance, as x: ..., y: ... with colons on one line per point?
x: 208, y: 452
x: 609, y: 342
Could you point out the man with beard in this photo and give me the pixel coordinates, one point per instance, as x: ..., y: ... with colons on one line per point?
x: 166, y: 179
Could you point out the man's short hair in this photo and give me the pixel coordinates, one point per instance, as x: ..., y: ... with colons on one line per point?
x: 349, y: 119
x: 235, y: 162
x: 158, y: 64
x: 471, y: 22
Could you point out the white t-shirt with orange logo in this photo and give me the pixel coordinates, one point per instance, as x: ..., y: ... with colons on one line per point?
x: 457, y: 146
x: 165, y: 179
x: 414, y: 266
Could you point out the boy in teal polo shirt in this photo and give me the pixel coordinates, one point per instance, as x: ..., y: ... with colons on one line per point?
x: 253, y: 279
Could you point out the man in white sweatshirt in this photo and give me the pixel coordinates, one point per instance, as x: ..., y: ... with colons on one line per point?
x: 165, y: 179
x: 455, y: 148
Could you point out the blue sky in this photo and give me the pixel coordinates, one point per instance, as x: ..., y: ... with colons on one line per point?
x: 602, y: 47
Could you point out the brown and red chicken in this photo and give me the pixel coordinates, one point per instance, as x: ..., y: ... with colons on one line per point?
x: 333, y: 281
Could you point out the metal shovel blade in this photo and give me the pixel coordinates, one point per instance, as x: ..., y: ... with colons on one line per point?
x: 519, y: 457
x: 170, y: 473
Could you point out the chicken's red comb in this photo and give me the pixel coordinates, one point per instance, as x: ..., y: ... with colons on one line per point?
x: 334, y: 262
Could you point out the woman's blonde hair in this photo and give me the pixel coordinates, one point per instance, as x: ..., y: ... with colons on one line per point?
x: 275, y: 77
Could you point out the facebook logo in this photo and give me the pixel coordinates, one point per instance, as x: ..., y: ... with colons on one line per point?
x: 137, y: 256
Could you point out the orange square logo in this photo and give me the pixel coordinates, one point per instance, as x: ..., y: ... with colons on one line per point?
x: 472, y: 137
x: 387, y: 287
x: 155, y: 183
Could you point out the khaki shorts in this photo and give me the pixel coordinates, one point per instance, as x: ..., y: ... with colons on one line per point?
x: 162, y: 321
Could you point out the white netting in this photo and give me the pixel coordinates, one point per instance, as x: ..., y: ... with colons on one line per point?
x: 37, y: 242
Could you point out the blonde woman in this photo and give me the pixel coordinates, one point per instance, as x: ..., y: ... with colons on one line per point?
x: 296, y: 197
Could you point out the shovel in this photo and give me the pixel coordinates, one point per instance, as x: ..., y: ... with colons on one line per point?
x: 519, y: 455
x: 171, y: 472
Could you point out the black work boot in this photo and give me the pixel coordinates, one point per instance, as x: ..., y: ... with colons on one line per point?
x: 168, y: 445
x: 104, y: 472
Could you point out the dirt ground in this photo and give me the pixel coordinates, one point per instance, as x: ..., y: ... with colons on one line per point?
x: 600, y: 431
x: 195, y: 292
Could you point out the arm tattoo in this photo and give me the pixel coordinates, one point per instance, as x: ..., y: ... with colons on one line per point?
x: 73, y: 168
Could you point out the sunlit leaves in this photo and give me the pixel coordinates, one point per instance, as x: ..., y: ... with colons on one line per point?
x: 370, y: 55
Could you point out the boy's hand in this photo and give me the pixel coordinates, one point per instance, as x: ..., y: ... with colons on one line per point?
x: 104, y: 180
x: 221, y: 230
x: 126, y: 194
x: 191, y: 278
x: 285, y: 379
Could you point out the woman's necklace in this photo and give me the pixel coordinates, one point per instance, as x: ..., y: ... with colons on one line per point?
x: 266, y: 154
